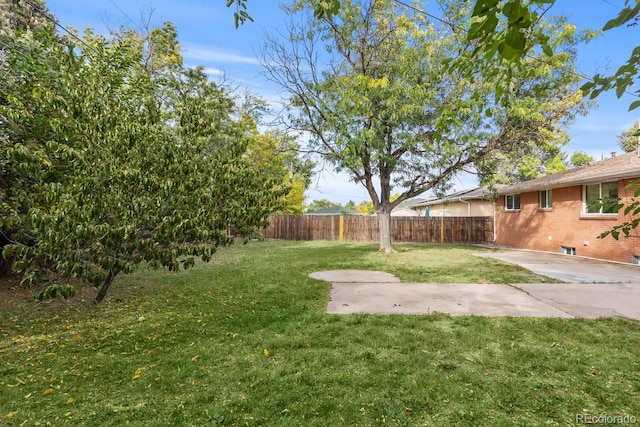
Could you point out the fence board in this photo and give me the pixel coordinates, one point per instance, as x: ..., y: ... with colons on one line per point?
x: 366, y: 229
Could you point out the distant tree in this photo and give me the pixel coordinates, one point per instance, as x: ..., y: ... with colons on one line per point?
x: 580, y: 158
x: 530, y: 167
x: 366, y: 207
x: 320, y: 204
x: 629, y: 140
x: 556, y: 164
x: 278, y: 158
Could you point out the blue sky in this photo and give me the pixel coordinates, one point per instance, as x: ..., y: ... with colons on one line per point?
x: 208, y: 37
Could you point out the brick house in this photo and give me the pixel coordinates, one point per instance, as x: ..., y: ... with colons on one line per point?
x: 555, y: 213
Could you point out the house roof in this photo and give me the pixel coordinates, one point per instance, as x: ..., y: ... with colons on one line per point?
x: 412, y: 202
x: 621, y: 166
x: 477, y: 193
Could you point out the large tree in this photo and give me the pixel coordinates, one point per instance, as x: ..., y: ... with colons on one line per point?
x: 372, y: 88
x: 510, y: 30
x: 117, y: 155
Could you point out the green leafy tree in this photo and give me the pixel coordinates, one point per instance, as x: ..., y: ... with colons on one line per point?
x: 380, y: 103
x: 22, y: 18
x: 556, y: 164
x: 580, y: 158
x: 629, y: 140
x: 18, y: 19
x: 512, y: 33
x: 264, y: 153
x: 513, y: 30
x: 112, y: 164
x: 546, y: 162
x: 322, y: 9
x: 278, y: 154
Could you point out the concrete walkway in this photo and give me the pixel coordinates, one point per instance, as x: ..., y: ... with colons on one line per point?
x: 567, y: 268
x: 361, y: 291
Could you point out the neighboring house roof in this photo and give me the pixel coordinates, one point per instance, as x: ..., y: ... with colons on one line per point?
x: 621, y: 166
x: 403, y: 211
x: 411, y: 202
x: 477, y: 193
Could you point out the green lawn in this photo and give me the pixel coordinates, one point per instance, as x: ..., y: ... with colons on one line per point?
x: 244, y: 340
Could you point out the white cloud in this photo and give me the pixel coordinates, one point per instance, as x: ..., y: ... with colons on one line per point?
x: 210, y: 54
x: 214, y: 72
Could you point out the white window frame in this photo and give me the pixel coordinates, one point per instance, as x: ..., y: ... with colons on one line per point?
x: 547, y: 203
x: 567, y: 250
x: 585, y: 205
x: 513, y: 202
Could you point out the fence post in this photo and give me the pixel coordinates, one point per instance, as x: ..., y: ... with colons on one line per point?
x: 341, y: 232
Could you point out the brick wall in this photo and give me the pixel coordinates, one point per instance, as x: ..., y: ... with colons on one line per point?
x: 563, y: 225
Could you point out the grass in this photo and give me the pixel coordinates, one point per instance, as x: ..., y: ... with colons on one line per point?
x: 244, y: 340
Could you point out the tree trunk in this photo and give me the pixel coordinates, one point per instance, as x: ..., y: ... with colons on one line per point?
x: 105, y: 286
x: 5, y: 264
x: 384, y: 221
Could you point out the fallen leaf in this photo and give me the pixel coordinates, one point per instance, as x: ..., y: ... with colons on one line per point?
x: 70, y: 400
x: 48, y: 391
x: 266, y: 352
x: 136, y: 376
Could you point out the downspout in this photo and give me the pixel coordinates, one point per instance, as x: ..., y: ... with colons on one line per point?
x: 495, y: 229
x: 468, y: 206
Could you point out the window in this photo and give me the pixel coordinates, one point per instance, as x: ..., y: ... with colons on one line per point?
x: 546, y: 201
x: 567, y: 250
x: 595, y: 195
x: 513, y: 202
x: 635, y: 259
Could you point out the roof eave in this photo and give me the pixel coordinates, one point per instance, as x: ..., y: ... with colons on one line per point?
x: 634, y: 173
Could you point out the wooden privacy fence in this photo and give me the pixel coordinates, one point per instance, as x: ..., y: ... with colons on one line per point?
x: 366, y: 229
